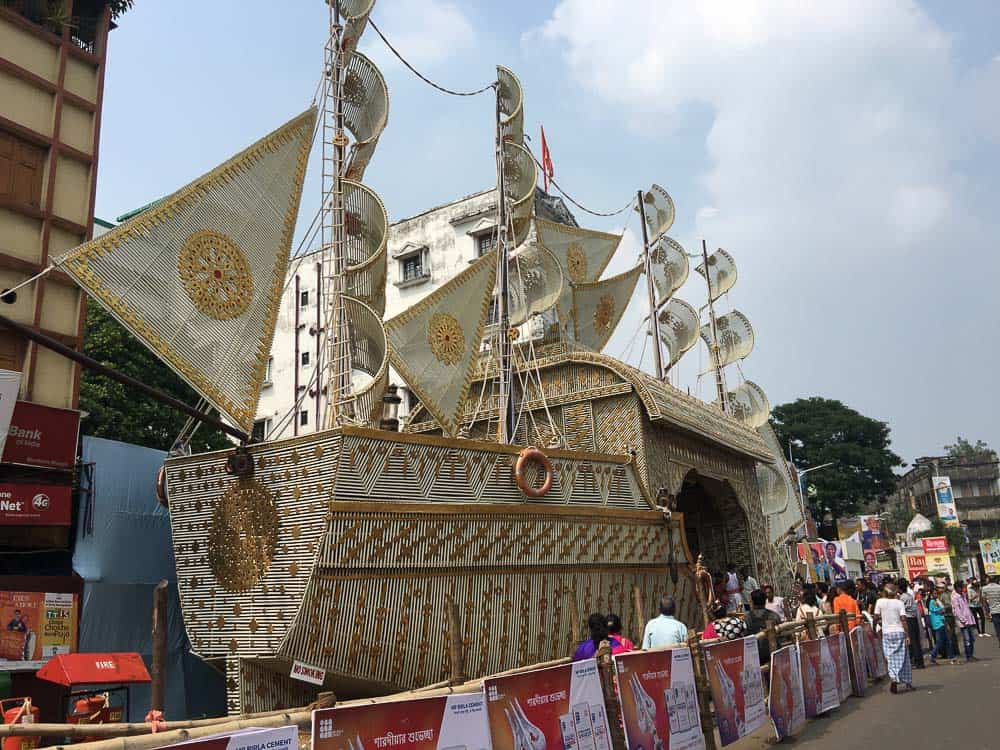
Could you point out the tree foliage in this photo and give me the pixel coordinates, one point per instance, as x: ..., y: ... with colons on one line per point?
x: 118, y: 412
x: 823, y: 431
x: 955, y: 535
x: 962, y: 448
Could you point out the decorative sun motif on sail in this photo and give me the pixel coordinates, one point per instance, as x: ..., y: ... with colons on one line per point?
x: 354, y: 88
x: 244, y: 536
x: 445, y: 337
x: 576, y: 263
x: 604, y: 312
x: 215, y: 274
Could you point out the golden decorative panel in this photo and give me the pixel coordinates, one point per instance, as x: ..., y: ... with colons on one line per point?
x: 215, y: 274
x: 244, y: 536
x: 445, y: 338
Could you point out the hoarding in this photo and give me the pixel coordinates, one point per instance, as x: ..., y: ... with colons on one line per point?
x: 860, y: 665
x: 659, y: 700
x: 915, y: 565
x: 42, y: 436
x: 819, y: 677
x: 875, y: 661
x: 937, y: 556
x: 277, y: 738
x: 555, y: 707
x: 945, y: 500
x: 872, y: 537
x: 841, y: 664
x: 823, y: 560
x: 35, y: 627
x: 785, y: 700
x: 452, y: 721
x: 35, y: 504
x: 737, y: 689
x: 990, y: 550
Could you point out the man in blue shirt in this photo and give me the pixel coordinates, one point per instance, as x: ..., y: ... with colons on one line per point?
x: 665, y: 630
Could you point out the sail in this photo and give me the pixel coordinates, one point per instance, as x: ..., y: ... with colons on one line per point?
x: 750, y: 404
x: 366, y: 229
x: 369, y: 359
x: 721, y: 273
x: 435, y: 344
x: 520, y: 176
x: 779, y: 498
x: 679, y: 328
x: 735, y: 337
x: 511, y: 100
x: 659, y: 209
x: 366, y: 111
x: 198, y: 277
x: 535, y: 281
x: 355, y: 15
x: 773, y: 489
x: 599, y: 305
x: 668, y: 265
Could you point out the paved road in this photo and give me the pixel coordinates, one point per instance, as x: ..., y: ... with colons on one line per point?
x: 953, y: 708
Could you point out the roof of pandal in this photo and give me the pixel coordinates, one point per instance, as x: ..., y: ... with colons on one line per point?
x: 662, y: 401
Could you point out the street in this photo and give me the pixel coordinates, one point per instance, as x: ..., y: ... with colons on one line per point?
x: 952, y: 706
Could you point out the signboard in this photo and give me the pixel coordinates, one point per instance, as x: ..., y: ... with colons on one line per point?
x: 556, y: 707
x: 737, y: 688
x: 452, y: 721
x: 35, y: 504
x: 945, y: 499
x: 860, y: 667
x: 785, y: 700
x: 659, y: 700
x: 915, y: 565
x: 277, y: 738
x: 990, y: 550
x: 42, y: 436
x: 875, y: 661
x: 35, y: 626
x: 308, y: 673
x: 819, y: 677
x: 937, y: 556
x: 10, y: 382
x: 841, y: 664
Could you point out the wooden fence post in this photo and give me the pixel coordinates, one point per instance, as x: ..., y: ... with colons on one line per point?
x: 772, y: 636
x: 456, y: 647
x: 159, y: 636
x: 640, y: 613
x: 606, y: 670
x: 811, y: 628
x: 845, y: 628
x: 704, y: 690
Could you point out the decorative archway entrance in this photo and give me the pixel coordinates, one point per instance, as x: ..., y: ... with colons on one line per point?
x: 715, y: 525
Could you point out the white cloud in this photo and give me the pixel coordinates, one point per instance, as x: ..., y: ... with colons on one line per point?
x: 425, y: 32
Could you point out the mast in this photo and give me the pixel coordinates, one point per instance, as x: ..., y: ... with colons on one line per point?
x: 507, y: 411
x: 654, y: 323
x: 339, y: 405
x: 720, y: 383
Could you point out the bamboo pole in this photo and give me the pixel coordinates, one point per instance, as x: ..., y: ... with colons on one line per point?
x: 640, y: 612
x: 456, y: 649
x: 158, y: 673
x: 856, y: 686
x: 703, y: 690
x: 606, y: 671
x: 772, y: 637
x: 811, y: 628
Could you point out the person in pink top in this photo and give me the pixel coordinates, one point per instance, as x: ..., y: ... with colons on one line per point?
x: 964, y: 618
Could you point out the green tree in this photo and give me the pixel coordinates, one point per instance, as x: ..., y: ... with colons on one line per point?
x: 118, y: 412
x: 823, y: 430
x: 962, y: 448
x: 955, y: 535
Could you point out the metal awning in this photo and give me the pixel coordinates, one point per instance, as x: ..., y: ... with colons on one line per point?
x: 95, y: 669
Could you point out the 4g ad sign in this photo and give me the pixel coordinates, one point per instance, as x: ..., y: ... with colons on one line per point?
x: 35, y: 504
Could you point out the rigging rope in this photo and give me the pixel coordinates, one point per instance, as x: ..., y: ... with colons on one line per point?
x: 570, y: 198
x: 420, y: 75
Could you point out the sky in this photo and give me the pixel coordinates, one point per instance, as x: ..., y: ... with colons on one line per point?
x: 846, y: 154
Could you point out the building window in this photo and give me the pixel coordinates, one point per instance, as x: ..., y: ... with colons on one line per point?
x: 485, y: 242
x: 413, y: 267
x: 303, y: 418
x: 21, y: 166
x: 260, y: 429
x: 304, y: 298
x: 267, y: 370
x: 305, y: 359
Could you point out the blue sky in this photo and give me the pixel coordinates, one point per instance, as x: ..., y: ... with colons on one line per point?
x: 846, y: 154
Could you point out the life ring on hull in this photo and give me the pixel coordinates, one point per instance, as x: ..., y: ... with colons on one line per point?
x: 161, y: 486
x: 532, y: 456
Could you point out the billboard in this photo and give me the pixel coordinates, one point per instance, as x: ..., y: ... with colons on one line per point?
x: 555, y: 707
x: 819, y: 677
x: 659, y: 700
x: 42, y: 436
x: 872, y: 537
x: 990, y: 550
x: 35, y: 626
x: 945, y: 500
x: 914, y: 565
x: 35, y: 504
x: 737, y: 689
x: 937, y: 556
x: 824, y: 561
x: 785, y: 700
x: 841, y: 664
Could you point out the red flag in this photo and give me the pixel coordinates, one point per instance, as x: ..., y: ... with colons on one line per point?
x: 548, y: 171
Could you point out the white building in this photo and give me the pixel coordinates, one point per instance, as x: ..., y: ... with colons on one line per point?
x: 424, y: 251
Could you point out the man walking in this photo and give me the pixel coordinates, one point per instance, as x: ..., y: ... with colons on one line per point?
x: 912, y: 623
x: 964, y: 619
x: 991, y: 600
x: 665, y: 630
x: 889, y: 613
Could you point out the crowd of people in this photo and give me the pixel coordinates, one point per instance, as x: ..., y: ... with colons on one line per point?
x: 905, y: 613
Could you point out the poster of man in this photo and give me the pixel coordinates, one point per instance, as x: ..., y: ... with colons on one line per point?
x: 872, y: 537
x: 834, y: 559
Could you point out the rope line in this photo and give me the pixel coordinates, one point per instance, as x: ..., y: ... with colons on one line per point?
x: 420, y: 75
x: 570, y: 198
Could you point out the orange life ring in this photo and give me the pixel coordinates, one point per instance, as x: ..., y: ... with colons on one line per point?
x: 161, y: 486
x: 525, y: 457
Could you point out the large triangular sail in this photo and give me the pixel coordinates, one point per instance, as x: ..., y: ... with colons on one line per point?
x: 198, y: 277
x: 599, y: 305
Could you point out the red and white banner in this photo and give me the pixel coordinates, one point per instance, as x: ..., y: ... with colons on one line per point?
x: 308, y: 673
x: 548, y: 708
x: 35, y: 504
x: 819, y: 677
x: 785, y: 700
x: 453, y: 721
x: 737, y: 688
x: 42, y: 436
x: 278, y: 738
x: 659, y: 700
x: 841, y: 664
x: 935, y: 545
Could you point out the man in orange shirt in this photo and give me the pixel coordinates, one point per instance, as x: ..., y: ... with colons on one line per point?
x: 844, y: 601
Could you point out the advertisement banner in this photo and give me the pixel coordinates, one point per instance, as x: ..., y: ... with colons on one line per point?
x: 860, y: 666
x: 555, y: 707
x: 872, y: 537
x: 990, y: 550
x: 848, y: 528
x: 35, y: 504
x: 36, y: 626
x: 915, y: 565
x: 937, y: 556
x: 42, y: 436
x: 785, y: 699
x: 874, y: 655
x: 842, y: 665
x: 945, y: 499
x: 10, y: 382
x: 737, y: 688
x: 448, y: 721
x: 819, y: 677
x: 277, y: 738
x: 824, y: 561
x: 659, y: 700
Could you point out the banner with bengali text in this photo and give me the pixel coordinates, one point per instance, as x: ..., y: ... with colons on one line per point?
x: 737, y: 688
x: 34, y: 627
x: 785, y: 700
x: 819, y: 677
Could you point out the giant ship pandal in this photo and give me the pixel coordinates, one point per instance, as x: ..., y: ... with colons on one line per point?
x: 340, y: 549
